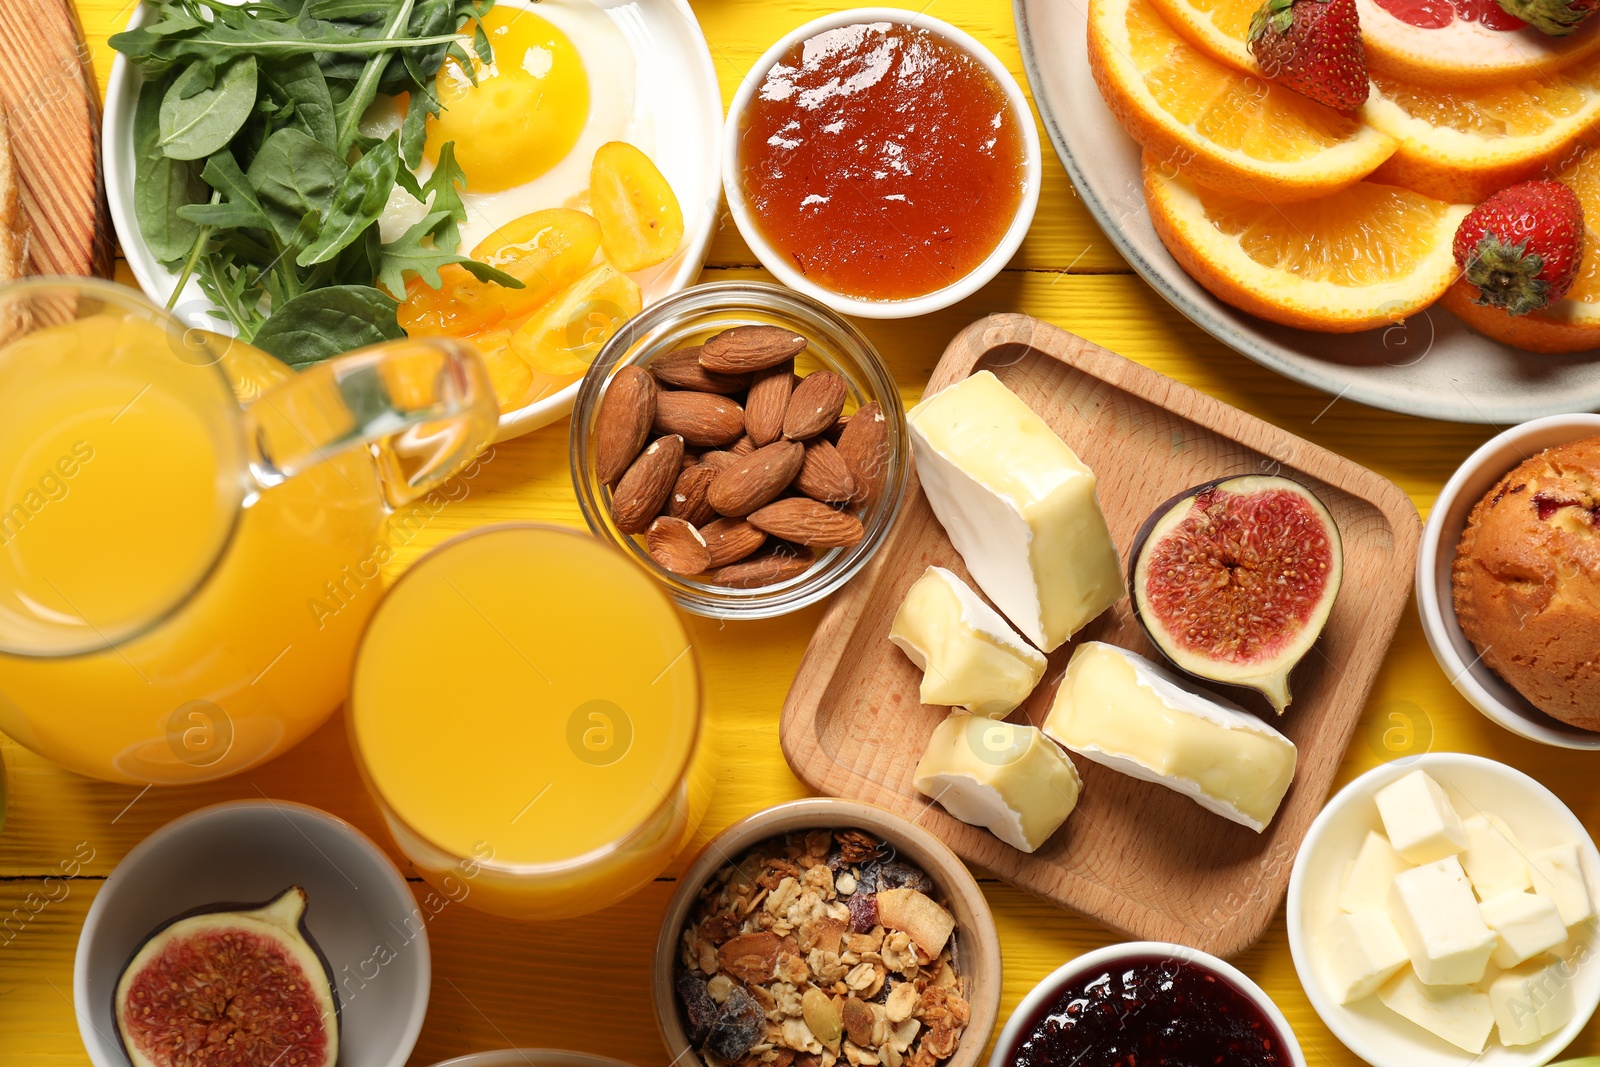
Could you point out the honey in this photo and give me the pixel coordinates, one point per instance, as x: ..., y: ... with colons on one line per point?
x: 885, y: 162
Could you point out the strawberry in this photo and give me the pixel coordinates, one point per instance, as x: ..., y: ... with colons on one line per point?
x: 1522, y: 246
x: 1555, y: 17
x: 1313, y: 47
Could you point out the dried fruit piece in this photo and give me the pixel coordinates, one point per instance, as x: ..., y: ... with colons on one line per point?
x: 643, y: 490
x: 677, y: 546
x: 688, y: 498
x: 623, y: 424
x: 730, y: 540
x: 738, y: 1027
x: 767, y: 403
x: 815, y: 405
x: 902, y: 1002
x: 807, y: 522
x: 864, y: 446
x: 564, y: 336
x: 641, y: 223
x: 816, y: 1007
x: 767, y: 568
x: 751, y: 957
x: 230, y: 985
x: 824, y: 475
x: 682, y: 370
x: 859, y: 1021
x: 919, y: 916
x: 699, y: 1010
x: 756, y: 479
x: 750, y: 348
x: 703, y: 419
x: 1233, y: 580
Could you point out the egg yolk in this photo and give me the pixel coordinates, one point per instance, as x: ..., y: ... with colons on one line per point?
x: 526, y: 111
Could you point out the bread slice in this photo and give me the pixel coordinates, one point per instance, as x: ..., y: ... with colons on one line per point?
x: 13, y: 221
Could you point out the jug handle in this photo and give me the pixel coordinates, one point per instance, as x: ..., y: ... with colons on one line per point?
x: 424, y: 408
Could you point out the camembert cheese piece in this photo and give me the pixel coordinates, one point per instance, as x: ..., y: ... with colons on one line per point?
x: 1359, y: 953
x: 1366, y: 884
x: 1527, y: 925
x: 1493, y: 859
x: 1010, y: 779
x: 1019, y: 506
x: 969, y: 656
x: 1438, y: 918
x: 1533, y: 1001
x: 1558, y: 874
x: 1459, y: 1014
x: 1119, y: 709
x: 1421, y: 822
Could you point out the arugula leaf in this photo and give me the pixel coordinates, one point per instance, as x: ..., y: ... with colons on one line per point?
x: 294, y: 175
x: 162, y: 185
x: 357, y: 203
x: 410, y: 255
x: 203, y: 107
x: 445, y: 185
x: 329, y: 321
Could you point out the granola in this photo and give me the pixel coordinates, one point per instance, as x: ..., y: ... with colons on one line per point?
x: 819, y: 947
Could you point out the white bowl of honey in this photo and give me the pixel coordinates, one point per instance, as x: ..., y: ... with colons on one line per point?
x: 881, y: 162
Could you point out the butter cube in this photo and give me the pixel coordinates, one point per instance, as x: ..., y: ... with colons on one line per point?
x: 1119, y: 709
x: 1019, y: 506
x: 969, y: 656
x: 1493, y: 859
x: 1419, y: 819
x: 1438, y: 918
x: 1459, y: 1014
x: 1359, y: 953
x: 1527, y: 925
x: 1366, y: 884
x: 1010, y: 779
x: 1533, y: 1001
x: 1558, y: 874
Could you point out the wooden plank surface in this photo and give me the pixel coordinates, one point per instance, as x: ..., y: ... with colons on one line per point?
x: 581, y: 984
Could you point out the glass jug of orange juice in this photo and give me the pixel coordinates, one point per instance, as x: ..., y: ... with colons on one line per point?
x: 191, y: 533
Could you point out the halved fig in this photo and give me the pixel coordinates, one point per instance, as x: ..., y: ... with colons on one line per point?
x: 230, y: 986
x: 1233, y: 580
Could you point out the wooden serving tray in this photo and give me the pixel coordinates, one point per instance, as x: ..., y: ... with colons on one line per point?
x: 1143, y: 860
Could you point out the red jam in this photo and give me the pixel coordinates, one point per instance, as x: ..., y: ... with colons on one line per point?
x: 1153, y: 1011
x: 882, y: 160
x: 1437, y: 14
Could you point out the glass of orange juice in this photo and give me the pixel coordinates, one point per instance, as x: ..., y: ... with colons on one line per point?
x: 526, y: 710
x: 190, y: 532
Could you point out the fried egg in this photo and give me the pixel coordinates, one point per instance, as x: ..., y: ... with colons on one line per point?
x: 561, y: 85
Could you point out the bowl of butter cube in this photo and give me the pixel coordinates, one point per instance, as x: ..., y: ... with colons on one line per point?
x: 1442, y: 912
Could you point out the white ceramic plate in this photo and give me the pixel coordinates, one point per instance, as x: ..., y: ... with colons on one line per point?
x: 677, y: 93
x: 1538, y: 817
x: 1429, y: 365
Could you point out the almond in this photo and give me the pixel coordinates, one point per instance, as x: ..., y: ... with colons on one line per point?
x: 807, y: 522
x: 742, y: 487
x: 750, y: 348
x: 701, y: 419
x: 623, y: 425
x: 682, y: 370
x: 767, y: 403
x: 719, y: 459
x: 824, y: 475
x: 730, y: 540
x: 643, y: 489
x: 864, y: 446
x: 815, y: 405
x: 767, y: 568
x: 688, y: 498
x: 677, y: 546
x: 743, y: 446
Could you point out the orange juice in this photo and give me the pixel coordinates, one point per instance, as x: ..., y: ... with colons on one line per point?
x: 162, y: 619
x: 526, y: 710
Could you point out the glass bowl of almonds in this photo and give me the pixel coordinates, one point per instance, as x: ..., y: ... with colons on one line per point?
x: 744, y: 444
x: 827, y: 933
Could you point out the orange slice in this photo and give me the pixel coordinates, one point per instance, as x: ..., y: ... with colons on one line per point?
x: 1571, y: 324
x: 1463, y: 145
x: 1218, y: 28
x: 1460, y: 48
x: 1226, y: 129
x: 1366, y: 256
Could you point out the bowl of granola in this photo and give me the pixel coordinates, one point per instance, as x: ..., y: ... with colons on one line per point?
x: 824, y: 932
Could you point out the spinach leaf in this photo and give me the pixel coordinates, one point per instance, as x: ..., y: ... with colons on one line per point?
x: 162, y: 185
x: 294, y: 175
x: 300, y: 81
x: 328, y: 321
x: 357, y: 203
x: 204, y: 107
x: 411, y: 255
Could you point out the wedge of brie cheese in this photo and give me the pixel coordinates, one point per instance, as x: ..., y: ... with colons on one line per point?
x: 1119, y: 709
x: 1010, y: 779
x: 1019, y: 506
x: 969, y: 656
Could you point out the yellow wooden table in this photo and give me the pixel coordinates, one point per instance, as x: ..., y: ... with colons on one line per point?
x: 584, y: 984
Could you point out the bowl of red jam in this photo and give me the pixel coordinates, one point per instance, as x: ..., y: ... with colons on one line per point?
x: 882, y: 162
x: 1147, y: 1002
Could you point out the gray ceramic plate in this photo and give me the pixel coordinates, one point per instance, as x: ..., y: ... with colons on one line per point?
x: 1429, y: 365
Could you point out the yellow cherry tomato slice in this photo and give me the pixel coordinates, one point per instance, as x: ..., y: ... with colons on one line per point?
x: 545, y: 250
x: 641, y: 223
x: 509, y: 373
x: 563, y: 338
x: 461, y: 305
